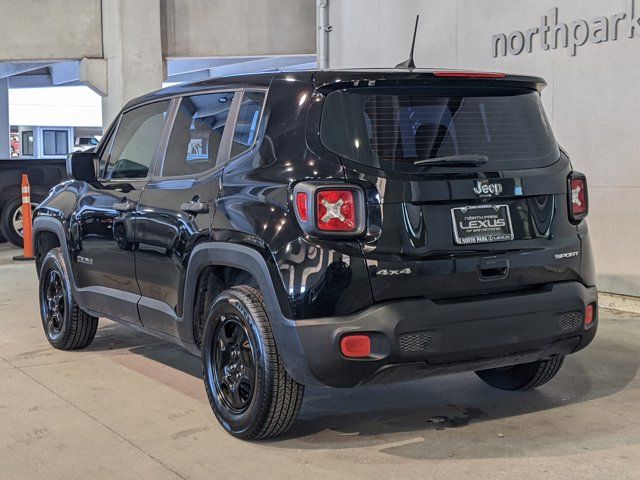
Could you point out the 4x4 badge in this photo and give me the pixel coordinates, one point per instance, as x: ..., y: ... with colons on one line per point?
x: 85, y: 260
x: 388, y: 272
x: 487, y: 189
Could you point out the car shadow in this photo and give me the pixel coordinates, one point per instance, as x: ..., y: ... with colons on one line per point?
x: 425, y: 419
x: 118, y: 338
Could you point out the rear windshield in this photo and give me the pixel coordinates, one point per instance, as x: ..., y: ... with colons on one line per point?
x: 390, y: 129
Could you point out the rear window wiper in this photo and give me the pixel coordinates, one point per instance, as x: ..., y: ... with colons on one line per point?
x: 455, y: 160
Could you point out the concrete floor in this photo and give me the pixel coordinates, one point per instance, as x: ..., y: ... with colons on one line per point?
x: 131, y: 406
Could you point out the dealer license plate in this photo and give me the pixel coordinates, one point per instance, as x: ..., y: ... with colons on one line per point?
x: 481, y: 224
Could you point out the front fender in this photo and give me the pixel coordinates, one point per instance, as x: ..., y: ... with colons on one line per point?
x: 52, y: 224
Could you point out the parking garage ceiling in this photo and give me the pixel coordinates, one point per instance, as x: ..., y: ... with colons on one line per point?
x: 179, y: 70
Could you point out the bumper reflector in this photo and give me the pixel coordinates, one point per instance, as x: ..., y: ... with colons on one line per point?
x: 355, y: 346
x: 589, y: 315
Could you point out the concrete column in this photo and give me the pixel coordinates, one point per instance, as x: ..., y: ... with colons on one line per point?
x: 132, y: 42
x: 5, y: 130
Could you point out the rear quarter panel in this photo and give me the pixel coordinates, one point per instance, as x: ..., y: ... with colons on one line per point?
x: 255, y: 208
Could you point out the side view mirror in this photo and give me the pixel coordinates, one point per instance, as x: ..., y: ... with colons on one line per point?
x: 82, y: 166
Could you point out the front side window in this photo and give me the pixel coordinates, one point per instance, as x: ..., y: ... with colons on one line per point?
x: 197, y: 134
x: 133, y: 148
x: 248, y: 121
x: 55, y: 142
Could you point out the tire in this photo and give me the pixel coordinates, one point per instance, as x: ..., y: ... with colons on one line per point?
x: 526, y: 376
x: 11, y: 216
x: 250, y: 392
x: 66, y: 326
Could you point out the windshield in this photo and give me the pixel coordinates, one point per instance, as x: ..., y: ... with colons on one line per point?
x: 391, y: 128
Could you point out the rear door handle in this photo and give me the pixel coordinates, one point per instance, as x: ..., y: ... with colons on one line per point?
x: 194, y: 207
x: 124, y: 206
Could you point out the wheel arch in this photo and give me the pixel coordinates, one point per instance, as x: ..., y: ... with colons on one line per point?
x: 49, y: 233
x: 243, y: 258
x: 43, y: 242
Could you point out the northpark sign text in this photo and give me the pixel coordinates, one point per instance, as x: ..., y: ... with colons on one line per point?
x: 552, y: 33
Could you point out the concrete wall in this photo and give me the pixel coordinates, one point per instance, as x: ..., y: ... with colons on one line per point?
x: 201, y: 28
x: 592, y: 98
x: 71, y: 29
x: 50, y: 30
x: 132, y: 50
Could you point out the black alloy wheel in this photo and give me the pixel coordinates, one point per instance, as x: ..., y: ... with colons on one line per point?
x: 66, y: 325
x: 250, y: 392
x: 233, y: 360
x: 54, y: 304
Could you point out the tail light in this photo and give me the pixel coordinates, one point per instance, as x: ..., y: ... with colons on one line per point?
x: 335, y: 211
x: 302, y: 202
x: 578, y: 196
x: 330, y: 209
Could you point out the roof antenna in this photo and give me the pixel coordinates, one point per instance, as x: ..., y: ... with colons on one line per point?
x: 409, y: 63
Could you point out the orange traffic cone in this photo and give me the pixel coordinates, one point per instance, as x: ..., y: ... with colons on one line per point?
x: 27, y: 233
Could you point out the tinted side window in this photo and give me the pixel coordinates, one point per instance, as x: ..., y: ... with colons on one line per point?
x: 197, y: 134
x: 104, y: 156
x: 136, y: 140
x: 248, y: 121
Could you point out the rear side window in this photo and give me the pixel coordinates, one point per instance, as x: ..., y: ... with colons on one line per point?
x: 248, y: 122
x: 197, y: 134
x: 134, y: 146
x: 391, y: 129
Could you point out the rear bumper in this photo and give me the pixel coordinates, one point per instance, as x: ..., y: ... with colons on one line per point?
x: 420, y: 337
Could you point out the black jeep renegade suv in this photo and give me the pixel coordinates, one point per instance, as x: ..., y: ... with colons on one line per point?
x: 329, y: 228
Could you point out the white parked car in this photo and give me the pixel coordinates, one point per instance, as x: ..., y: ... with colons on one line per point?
x: 85, y: 143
